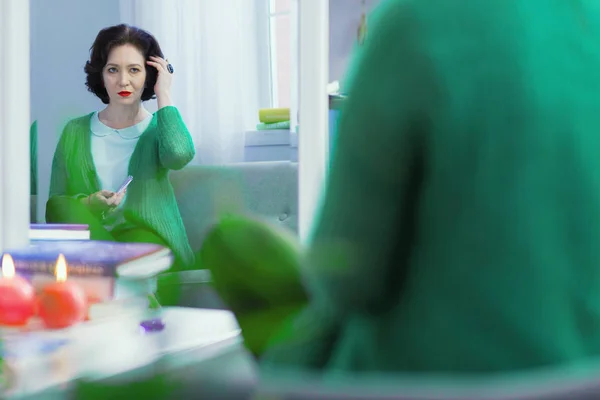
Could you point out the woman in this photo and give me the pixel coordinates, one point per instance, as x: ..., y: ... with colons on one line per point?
x: 460, y: 231
x: 98, y: 151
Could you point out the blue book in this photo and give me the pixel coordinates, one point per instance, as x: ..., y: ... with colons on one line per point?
x: 62, y: 227
x: 93, y: 258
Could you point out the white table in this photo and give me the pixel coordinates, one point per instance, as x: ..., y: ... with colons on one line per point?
x: 111, y: 347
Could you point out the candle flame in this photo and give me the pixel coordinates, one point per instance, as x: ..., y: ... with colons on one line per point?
x: 8, y: 266
x: 61, y: 268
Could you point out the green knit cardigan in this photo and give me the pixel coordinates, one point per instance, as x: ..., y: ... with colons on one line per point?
x: 460, y: 231
x: 165, y: 145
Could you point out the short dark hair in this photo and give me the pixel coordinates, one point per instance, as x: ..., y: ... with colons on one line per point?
x: 114, y: 36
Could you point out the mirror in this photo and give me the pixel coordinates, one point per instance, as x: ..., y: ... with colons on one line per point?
x: 230, y: 63
x: 222, y: 77
x: 232, y: 67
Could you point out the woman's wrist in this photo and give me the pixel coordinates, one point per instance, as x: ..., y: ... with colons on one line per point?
x: 87, y: 200
x: 163, y: 100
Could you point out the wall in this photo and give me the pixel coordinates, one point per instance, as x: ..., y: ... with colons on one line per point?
x: 344, y: 19
x: 61, y: 35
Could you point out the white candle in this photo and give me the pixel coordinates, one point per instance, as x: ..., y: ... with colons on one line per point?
x: 313, y: 138
x: 14, y: 123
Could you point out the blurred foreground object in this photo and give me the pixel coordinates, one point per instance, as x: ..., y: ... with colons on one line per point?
x: 255, y: 268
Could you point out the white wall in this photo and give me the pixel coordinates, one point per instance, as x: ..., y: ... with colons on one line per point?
x: 62, y: 32
x: 344, y: 19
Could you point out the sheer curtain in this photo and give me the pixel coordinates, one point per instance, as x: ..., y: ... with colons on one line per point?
x: 215, y: 50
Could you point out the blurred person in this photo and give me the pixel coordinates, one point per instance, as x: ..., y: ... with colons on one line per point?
x: 460, y: 229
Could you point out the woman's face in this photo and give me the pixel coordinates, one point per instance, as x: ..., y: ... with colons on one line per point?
x: 124, y: 75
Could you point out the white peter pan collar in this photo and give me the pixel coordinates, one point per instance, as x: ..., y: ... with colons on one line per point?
x: 99, y: 129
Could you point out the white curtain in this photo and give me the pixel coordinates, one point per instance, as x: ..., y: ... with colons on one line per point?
x: 214, y: 48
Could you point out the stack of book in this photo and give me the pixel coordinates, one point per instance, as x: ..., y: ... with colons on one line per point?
x: 273, y: 119
x: 107, y: 271
x: 116, y: 278
x: 95, y: 265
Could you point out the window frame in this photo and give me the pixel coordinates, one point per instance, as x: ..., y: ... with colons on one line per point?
x: 273, y: 61
x: 263, y: 48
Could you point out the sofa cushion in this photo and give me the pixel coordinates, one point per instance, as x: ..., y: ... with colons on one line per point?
x: 266, y: 189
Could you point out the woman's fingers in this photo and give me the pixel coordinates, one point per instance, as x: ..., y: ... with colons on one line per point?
x: 159, y: 60
x: 106, y: 193
x: 156, y: 65
x: 119, y: 198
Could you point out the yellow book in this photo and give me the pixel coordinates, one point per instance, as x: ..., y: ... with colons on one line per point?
x: 272, y: 115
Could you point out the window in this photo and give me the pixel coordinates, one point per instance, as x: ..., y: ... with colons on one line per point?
x: 280, y: 52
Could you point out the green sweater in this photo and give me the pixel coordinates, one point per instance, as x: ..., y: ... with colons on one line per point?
x: 462, y: 217
x: 165, y: 145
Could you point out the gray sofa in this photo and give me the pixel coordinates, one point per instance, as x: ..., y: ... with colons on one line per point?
x: 266, y: 189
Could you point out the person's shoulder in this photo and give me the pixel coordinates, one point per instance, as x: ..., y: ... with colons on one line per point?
x: 75, y: 128
x: 389, y: 12
x: 79, y: 123
x: 442, y: 15
x: 167, y: 111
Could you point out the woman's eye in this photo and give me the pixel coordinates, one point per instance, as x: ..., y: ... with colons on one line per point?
x: 112, y: 70
x: 135, y: 70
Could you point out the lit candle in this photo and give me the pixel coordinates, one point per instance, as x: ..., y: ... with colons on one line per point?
x: 62, y: 303
x: 17, y: 296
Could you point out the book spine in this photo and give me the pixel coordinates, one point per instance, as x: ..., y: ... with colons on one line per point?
x: 75, y: 269
x: 58, y: 227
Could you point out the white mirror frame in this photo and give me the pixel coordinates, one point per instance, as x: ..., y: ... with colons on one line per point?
x: 14, y: 124
x: 312, y: 49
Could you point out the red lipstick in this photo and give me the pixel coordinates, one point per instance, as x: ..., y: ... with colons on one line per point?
x: 124, y: 93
